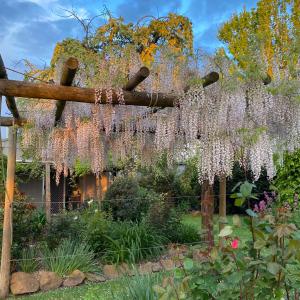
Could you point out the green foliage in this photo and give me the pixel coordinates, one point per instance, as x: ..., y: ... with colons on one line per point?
x: 28, y: 262
x: 287, y: 180
x: 244, y: 194
x: 132, y: 242
x: 139, y: 288
x: 126, y: 200
x: 95, y: 227
x: 63, y: 226
x: 31, y: 170
x: 166, y: 179
x: 267, y: 267
x: 68, y: 257
x: 81, y: 168
x: 28, y: 226
x: 167, y: 220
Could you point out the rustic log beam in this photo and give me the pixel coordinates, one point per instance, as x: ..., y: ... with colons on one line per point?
x: 10, y: 121
x: 87, y: 95
x: 68, y: 73
x: 140, y: 76
x: 10, y: 100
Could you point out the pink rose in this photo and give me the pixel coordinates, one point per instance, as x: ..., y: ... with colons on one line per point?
x: 235, y: 244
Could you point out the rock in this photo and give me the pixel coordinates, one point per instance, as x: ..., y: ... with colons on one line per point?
x: 199, y: 255
x: 124, y: 269
x: 168, y: 264
x: 145, y: 268
x: 94, y: 277
x: 156, y: 267
x: 75, y: 278
x: 110, y: 271
x: 23, y: 283
x: 49, y: 280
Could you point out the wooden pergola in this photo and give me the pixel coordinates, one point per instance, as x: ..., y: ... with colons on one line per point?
x: 61, y: 94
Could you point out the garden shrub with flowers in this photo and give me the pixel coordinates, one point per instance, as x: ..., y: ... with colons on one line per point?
x: 265, y: 267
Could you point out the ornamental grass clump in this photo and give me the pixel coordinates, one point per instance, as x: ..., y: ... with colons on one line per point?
x: 68, y: 257
x: 132, y: 242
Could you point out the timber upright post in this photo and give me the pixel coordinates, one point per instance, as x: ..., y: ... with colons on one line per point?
x: 222, y: 204
x: 48, y: 191
x: 8, y: 210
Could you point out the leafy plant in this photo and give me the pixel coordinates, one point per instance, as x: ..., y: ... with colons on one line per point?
x: 68, y: 257
x: 126, y: 200
x: 63, y: 226
x: 28, y: 226
x: 267, y: 267
x: 244, y: 194
x: 28, y: 262
x: 287, y: 180
x: 132, y: 242
x: 139, y: 288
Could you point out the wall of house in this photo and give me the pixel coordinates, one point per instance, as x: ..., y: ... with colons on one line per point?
x: 33, y: 189
x: 87, y: 187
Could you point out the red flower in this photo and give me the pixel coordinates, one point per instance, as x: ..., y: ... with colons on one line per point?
x: 235, y: 244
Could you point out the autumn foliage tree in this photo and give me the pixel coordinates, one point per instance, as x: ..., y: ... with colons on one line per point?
x: 271, y: 31
x: 147, y: 37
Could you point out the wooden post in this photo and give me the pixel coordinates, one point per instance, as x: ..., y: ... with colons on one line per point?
x: 222, y: 204
x: 207, y: 213
x: 48, y: 192
x: 8, y: 210
x: 98, y: 187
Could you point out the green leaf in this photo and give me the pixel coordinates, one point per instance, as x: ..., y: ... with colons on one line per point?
x: 236, y: 221
x: 251, y: 213
x: 188, y: 264
x: 158, y: 289
x: 178, y: 273
x: 259, y: 244
x: 239, y: 202
x: 236, y: 186
x: 273, y: 268
x: 227, y: 230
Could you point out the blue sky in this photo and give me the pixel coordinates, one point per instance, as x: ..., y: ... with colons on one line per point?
x: 30, y: 28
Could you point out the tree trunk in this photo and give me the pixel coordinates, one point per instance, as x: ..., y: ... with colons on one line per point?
x: 8, y: 210
x: 207, y: 213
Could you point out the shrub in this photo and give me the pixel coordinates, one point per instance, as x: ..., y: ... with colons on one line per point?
x: 95, y: 225
x: 126, y: 200
x: 287, y: 180
x: 132, y: 242
x: 28, y: 226
x: 167, y: 220
x: 67, y: 257
x: 63, y: 226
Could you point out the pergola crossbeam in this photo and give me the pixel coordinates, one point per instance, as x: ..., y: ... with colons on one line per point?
x: 87, y: 95
x: 67, y: 76
x: 139, y: 77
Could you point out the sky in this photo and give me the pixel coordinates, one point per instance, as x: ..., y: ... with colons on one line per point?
x: 31, y: 28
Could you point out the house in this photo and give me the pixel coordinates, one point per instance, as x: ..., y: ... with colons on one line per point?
x: 70, y: 193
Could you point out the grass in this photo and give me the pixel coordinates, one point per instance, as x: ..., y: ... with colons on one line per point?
x: 100, y: 291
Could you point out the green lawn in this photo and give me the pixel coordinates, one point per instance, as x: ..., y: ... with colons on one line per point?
x: 101, y: 291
